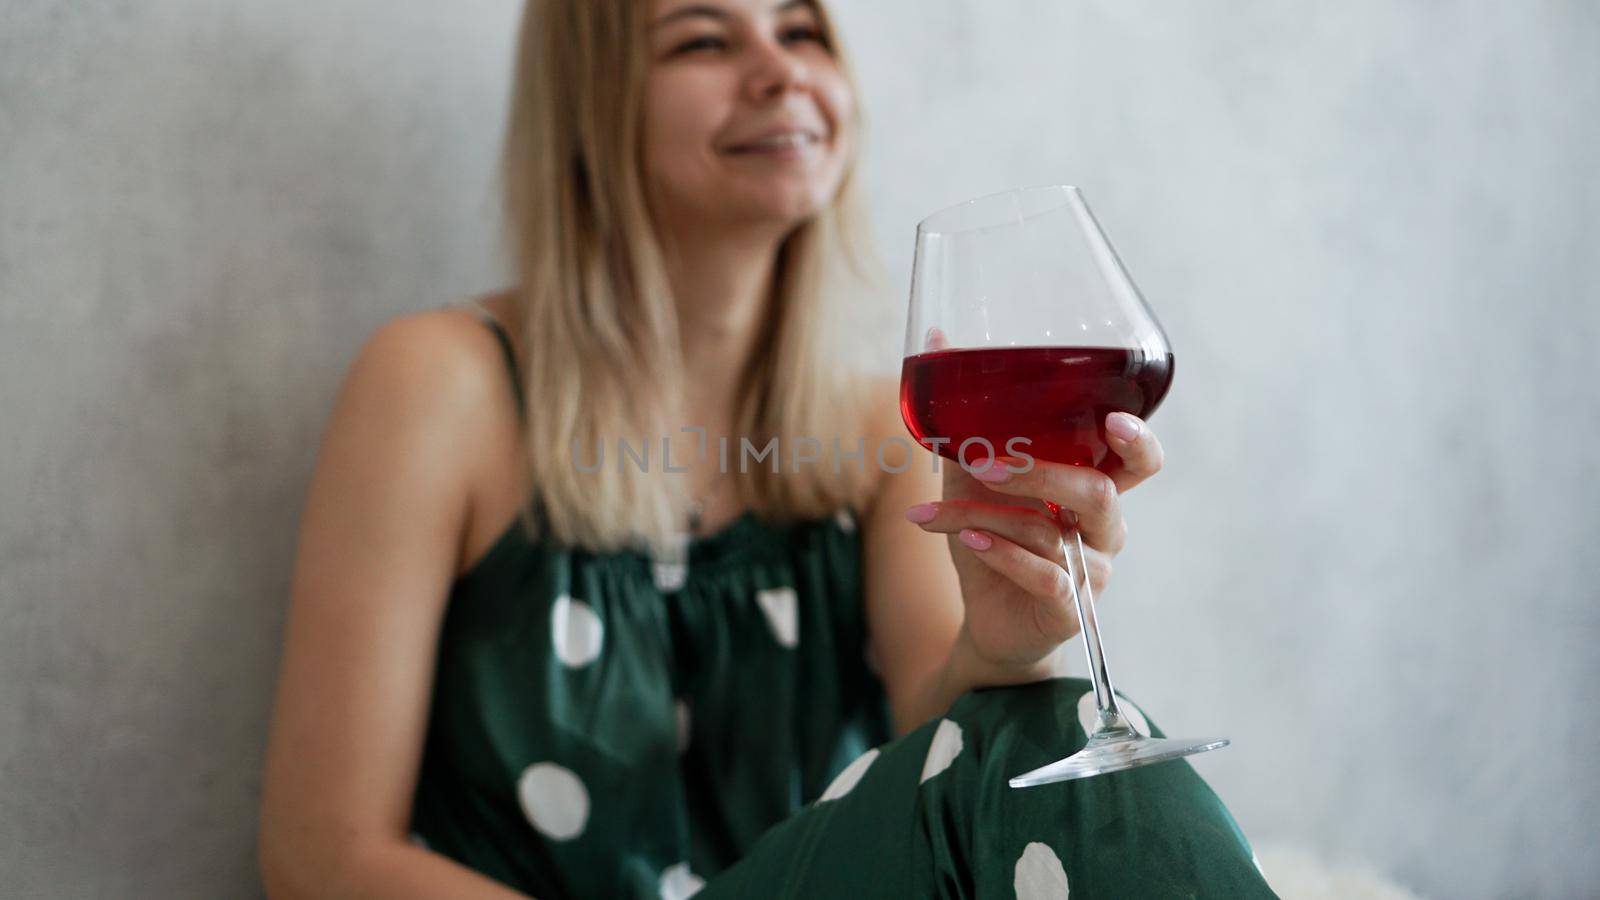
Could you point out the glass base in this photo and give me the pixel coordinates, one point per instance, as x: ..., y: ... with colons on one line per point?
x: 1113, y: 751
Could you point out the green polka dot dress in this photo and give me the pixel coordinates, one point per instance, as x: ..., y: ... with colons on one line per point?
x: 614, y: 726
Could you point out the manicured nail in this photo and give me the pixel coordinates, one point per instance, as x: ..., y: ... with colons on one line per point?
x: 977, y: 540
x: 922, y: 512
x: 1123, y: 427
x: 993, y: 471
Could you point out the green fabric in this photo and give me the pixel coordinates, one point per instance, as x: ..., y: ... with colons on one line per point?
x: 911, y: 828
x: 604, y: 726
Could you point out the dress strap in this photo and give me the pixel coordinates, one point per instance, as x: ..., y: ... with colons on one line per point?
x: 505, y: 347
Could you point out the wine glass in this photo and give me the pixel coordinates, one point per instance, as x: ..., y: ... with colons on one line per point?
x: 1024, y: 324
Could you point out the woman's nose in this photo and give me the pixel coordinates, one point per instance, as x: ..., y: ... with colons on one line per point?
x: 775, y: 71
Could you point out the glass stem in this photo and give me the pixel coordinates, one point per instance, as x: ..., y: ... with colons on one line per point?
x: 1083, y: 599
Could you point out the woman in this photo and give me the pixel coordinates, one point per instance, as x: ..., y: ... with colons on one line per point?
x: 518, y: 662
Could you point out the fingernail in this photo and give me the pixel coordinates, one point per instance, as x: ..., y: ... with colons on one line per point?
x: 1122, y: 427
x: 977, y: 540
x: 922, y: 512
x: 993, y: 471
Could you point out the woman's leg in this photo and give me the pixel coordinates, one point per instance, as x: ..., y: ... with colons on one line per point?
x: 931, y: 815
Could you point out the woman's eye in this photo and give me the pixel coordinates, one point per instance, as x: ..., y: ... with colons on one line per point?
x: 707, y: 42
x: 801, y: 33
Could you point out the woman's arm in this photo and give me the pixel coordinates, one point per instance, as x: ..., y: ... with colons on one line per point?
x: 379, y: 545
x: 913, y: 594
x: 989, y: 604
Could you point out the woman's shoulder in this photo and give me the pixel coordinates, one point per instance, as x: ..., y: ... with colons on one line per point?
x: 444, y: 358
x: 429, y: 408
x: 435, y: 375
x: 881, y: 406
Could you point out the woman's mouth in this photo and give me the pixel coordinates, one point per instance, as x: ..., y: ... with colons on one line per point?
x: 789, y: 142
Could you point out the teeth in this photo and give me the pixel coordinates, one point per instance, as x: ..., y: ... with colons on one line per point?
x: 782, y: 141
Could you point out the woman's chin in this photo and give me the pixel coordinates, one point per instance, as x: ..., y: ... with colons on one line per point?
x: 782, y: 210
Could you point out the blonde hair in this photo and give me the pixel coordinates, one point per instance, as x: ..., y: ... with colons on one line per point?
x: 595, y: 310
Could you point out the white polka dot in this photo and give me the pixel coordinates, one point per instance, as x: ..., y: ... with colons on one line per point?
x: 846, y: 780
x: 554, y: 800
x: 682, y: 710
x: 678, y: 883
x: 1039, y: 874
x: 1089, y: 714
x: 942, y: 750
x: 576, y: 631
x: 782, y: 611
x: 845, y: 520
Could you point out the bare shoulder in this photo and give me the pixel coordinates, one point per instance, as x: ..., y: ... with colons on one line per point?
x: 882, y: 407
x: 439, y: 369
x: 432, y: 387
x: 440, y: 352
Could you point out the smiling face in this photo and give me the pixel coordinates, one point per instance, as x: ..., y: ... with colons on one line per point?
x: 747, y: 114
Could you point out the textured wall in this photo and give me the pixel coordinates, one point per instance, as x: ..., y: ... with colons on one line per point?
x: 1369, y: 228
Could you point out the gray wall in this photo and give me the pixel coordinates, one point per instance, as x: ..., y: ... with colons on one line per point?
x: 1369, y: 229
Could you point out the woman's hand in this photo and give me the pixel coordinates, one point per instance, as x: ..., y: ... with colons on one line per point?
x: 1008, y: 550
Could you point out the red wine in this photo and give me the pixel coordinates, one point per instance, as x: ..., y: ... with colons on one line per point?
x: 1058, y: 397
